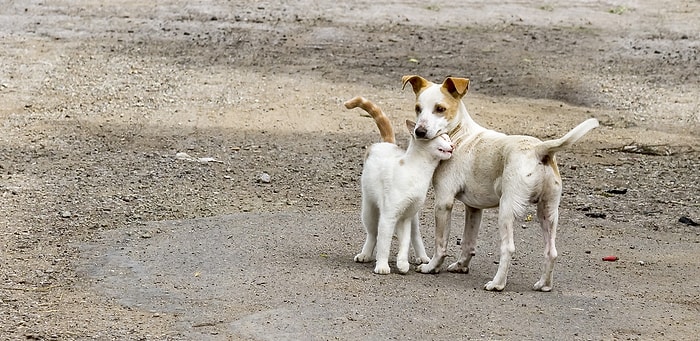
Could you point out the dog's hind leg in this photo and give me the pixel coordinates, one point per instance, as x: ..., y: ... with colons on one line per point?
x: 417, y: 242
x: 385, y: 231
x: 403, y: 234
x: 472, y: 222
x: 370, y: 219
x: 506, y: 217
x: 548, y: 215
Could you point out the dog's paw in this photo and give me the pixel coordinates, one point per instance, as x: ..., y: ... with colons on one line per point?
x: 422, y: 260
x: 542, y: 286
x: 402, y: 267
x: 427, y: 269
x: 382, y: 269
x: 363, y: 258
x: 491, y: 286
x: 456, y: 267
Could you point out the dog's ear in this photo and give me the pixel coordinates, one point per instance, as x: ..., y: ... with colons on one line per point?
x: 417, y: 82
x: 457, y: 87
x: 411, y: 126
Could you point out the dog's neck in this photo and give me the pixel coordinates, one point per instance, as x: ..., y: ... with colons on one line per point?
x: 463, y: 125
x: 421, y: 154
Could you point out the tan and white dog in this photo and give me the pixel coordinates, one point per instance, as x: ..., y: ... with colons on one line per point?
x: 488, y: 169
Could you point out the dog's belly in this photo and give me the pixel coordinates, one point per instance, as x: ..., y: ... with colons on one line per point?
x: 479, y: 200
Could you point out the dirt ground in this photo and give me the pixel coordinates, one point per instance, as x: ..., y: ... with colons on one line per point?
x: 109, y: 234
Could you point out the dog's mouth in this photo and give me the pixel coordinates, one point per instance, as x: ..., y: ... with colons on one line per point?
x: 445, y: 151
x: 448, y: 146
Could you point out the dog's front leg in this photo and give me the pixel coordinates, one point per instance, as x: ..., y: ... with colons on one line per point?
x: 443, y: 217
x: 417, y: 241
x: 472, y: 222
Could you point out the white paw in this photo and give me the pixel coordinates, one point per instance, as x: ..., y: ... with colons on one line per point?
x: 491, y: 286
x: 542, y: 286
x: 363, y: 258
x: 456, y: 267
x: 382, y: 269
x: 427, y: 269
x: 422, y: 260
x: 402, y: 266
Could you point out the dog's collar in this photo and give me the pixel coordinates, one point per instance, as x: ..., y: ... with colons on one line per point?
x: 454, y: 130
x: 455, y: 134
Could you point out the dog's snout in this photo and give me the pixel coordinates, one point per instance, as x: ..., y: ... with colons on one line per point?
x: 421, y: 132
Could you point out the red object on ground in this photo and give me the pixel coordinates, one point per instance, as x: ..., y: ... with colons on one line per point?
x: 610, y: 258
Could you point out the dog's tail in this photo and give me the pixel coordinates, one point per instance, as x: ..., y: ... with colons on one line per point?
x: 552, y: 146
x: 383, y: 123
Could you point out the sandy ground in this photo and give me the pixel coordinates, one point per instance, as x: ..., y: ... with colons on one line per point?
x: 108, y: 234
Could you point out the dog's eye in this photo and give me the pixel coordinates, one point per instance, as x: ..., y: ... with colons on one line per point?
x: 440, y: 109
x: 418, y: 109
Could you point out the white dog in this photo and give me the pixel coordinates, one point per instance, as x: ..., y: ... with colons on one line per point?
x: 394, y: 186
x: 489, y: 169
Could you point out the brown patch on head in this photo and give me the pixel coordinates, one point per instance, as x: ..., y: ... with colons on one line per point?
x: 456, y: 87
x: 453, y: 89
x: 417, y: 82
x: 449, y: 107
x: 401, y: 162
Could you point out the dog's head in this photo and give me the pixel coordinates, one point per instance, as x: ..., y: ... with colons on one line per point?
x: 440, y: 147
x: 439, y: 107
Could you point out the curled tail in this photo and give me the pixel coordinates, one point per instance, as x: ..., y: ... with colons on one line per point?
x: 383, y: 123
x: 552, y: 146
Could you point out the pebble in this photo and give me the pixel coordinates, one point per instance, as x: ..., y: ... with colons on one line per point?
x: 65, y: 214
x: 265, y: 178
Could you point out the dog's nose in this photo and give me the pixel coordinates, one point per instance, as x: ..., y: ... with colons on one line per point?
x: 420, y: 132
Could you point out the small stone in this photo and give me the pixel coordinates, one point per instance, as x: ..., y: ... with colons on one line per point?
x: 617, y: 191
x: 65, y: 214
x: 687, y: 221
x: 265, y: 178
x: 596, y: 215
